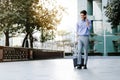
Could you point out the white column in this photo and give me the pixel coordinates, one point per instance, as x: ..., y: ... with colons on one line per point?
x: 105, y: 23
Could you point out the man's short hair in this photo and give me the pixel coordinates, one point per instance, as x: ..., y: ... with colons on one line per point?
x: 83, y: 12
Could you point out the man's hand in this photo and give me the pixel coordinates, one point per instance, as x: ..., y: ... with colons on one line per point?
x: 76, y: 42
x: 87, y: 23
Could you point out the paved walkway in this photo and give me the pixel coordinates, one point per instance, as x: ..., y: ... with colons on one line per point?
x: 61, y: 69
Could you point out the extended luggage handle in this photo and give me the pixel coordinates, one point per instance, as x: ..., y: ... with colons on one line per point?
x: 75, y: 51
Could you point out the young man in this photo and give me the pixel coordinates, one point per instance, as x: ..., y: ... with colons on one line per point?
x: 83, y: 32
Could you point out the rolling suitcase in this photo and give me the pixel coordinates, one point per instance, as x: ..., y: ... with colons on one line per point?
x: 75, y: 55
x: 75, y: 61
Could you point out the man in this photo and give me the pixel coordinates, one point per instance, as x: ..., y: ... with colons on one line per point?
x: 83, y: 32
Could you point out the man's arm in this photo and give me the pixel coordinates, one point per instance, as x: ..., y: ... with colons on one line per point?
x: 88, y: 23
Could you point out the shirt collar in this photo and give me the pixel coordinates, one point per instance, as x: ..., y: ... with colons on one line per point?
x: 83, y: 20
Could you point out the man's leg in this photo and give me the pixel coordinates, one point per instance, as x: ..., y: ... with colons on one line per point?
x: 80, y: 45
x: 86, y: 44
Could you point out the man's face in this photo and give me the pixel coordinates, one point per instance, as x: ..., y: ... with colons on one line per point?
x: 83, y: 17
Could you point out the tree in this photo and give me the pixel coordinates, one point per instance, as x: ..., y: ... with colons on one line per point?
x: 113, y: 12
x: 30, y: 15
x: 35, y: 15
x: 48, y: 18
x: 8, y: 18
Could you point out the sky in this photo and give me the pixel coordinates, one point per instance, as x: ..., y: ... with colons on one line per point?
x: 70, y: 18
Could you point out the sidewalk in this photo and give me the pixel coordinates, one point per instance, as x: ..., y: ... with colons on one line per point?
x: 99, y: 68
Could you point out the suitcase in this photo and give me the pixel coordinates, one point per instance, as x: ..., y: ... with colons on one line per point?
x: 75, y: 62
x: 82, y: 61
x: 75, y: 55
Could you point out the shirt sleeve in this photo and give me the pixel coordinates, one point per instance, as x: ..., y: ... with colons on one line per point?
x: 90, y: 25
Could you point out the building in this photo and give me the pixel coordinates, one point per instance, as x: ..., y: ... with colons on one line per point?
x: 104, y: 39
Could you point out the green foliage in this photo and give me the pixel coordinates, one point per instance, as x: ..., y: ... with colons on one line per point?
x: 47, y: 35
x: 8, y: 17
x: 25, y: 16
x: 47, y: 18
x: 113, y: 12
x: 35, y: 14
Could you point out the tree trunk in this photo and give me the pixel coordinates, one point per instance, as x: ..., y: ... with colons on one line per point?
x: 31, y: 40
x: 6, y: 38
x: 42, y: 38
x: 42, y: 46
x: 24, y: 40
x: 28, y: 36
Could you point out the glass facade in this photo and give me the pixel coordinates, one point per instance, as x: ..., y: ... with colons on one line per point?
x: 103, y: 38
